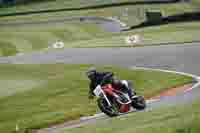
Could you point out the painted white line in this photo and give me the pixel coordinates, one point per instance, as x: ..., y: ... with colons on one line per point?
x: 92, y: 117
x: 86, y: 118
x: 98, y: 115
x: 19, y: 54
x: 194, y: 86
x: 162, y: 70
x: 198, y: 78
x: 151, y: 100
x: 195, y: 77
x: 118, y: 21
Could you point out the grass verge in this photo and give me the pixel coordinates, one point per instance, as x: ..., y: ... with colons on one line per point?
x: 7, y: 49
x: 88, y: 35
x: 173, y: 119
x: 34, y: 96
x: 77, y: 34
x: 39, y: 37
x: 69, y: 5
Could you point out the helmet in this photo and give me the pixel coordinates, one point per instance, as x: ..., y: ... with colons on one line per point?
x: 91, y: 73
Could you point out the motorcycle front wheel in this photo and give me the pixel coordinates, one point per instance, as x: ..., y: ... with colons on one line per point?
x: 110, y: 111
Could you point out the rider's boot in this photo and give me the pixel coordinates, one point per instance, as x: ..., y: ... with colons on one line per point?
x: 129, y: 90
x: 131, y: 94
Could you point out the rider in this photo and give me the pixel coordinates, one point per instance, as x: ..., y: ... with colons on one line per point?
x: 97, y: 78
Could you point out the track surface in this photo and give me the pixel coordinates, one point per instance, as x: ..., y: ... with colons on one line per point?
x: 182, y: 57
x: 185, y: 57
x: 107, y: 24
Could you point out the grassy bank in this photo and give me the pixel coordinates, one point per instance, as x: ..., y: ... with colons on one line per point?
x: 180, y: 119
x: 77, y: 34
x: 38, y: 37
x: 35, y: 96
x: 131, y: 14
x: 62, y: 4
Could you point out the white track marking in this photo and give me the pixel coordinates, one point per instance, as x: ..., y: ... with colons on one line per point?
x: 162, y: 70
x: 194, y: 86
x: 195, y: 77
x: 151, y: 101
x: 92, y: 117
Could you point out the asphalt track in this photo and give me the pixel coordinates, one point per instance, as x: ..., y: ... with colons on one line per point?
x: 107, y: 24
x: 181, y: 57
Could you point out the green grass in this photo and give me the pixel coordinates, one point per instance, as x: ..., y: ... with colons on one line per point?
x: 63, y: 4
x: 136, y: 13
x: 7, y: 49
x: 171, y: 119
x: 157, y: 35
x: 38, y: 95
x: 30, y: 38
x: 196, y: 3
x: 58, y: 4
x: 77, y: 34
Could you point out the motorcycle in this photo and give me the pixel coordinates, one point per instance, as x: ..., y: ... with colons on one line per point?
x: 113, y: 102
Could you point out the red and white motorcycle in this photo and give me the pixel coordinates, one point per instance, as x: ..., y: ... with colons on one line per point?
x: 113, y: 102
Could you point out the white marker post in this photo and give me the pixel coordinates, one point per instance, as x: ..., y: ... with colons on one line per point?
x: 58, y: 44
x: 17, y: 128
x: 132, y: 39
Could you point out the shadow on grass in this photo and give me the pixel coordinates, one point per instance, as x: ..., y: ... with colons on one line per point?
x: 179, y: 18
x: 149, y: 2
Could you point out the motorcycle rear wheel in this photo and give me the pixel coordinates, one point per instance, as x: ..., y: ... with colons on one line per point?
x: 139, y: 103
